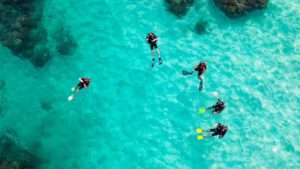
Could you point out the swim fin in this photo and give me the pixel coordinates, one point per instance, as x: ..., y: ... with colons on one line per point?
x: 184, y: 72
x: 70, y: 98
x: 200, y: 137
x: 153, y: 62
x: 199, y: 130
x: 202, y: 110
x: 201, y: 85
x: 160, y: 60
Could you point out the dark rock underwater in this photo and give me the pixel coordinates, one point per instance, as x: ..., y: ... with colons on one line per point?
x: 236, y: 8
x: 179, y: 7
x: 13, y: 156
x: 22, y: 31
x: 232, y: 8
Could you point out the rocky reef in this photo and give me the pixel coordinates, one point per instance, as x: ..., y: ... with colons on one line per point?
x: 46, y: 105
x: 66, y: 44
x: 2, y: 84
x: 13, y: 156
x: 236, y: 8
x: 3, y: 98
x: 201, y: 27
x: 21, y: 30
x: 179, y: 7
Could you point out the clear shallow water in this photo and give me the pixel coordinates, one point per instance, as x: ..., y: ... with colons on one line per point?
x: 133, y: 116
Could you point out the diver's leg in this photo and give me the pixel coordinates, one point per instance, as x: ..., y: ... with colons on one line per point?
x: 201, y: 83
x: 152, y: 53
x: 208, y: 136
x: 153, y: 60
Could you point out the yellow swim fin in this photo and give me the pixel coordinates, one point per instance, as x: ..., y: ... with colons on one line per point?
x: 200, y: 137
x: 202, y: 110
x: 199, y: 130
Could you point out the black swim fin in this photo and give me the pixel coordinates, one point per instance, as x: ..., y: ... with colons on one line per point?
x: 160, y: 60
x: 153, y: 62
x: 201, y: 85
x: 184, y: 72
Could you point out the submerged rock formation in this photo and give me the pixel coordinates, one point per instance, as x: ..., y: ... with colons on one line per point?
x: 179, y: 7
x: 235, y: 8
x: 12, y: 156
x: 2, y: 84
x: 45, y: 105
x: 3, y: 98
x: 22, y: 31
x: 66, y: 44
x: 200, y: 27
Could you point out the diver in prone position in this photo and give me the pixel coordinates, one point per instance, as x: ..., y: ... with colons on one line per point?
x: 152, y: 39
x: 218, y: 107
x: 200, y: 68
x: 220, y: 130
x: 84, y: 83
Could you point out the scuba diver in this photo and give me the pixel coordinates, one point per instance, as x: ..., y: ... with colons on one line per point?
x: 218, y: 107
x: 200, y: 68
x: 152, y: 39
x: 83, y: 83
x: 219, y: 130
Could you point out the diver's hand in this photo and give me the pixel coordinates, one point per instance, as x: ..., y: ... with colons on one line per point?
x: 216, y: 94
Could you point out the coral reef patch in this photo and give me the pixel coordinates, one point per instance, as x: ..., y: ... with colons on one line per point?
x: 13, y: 156
x: 22, y: 31
x: 201, y: 27
x: 179, y: 7
x: 66, y: 44
x: 236, y: 8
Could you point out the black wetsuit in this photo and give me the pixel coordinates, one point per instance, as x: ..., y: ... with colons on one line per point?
x: 150, y: 39
x: 219, y: 130
x: 86, y: 82
x: 201, y: 68
x: 220, y: 105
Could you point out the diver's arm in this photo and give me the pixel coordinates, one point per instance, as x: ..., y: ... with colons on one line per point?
x: 195, y: 67
x: 154, y: 40
x: 222, y: 135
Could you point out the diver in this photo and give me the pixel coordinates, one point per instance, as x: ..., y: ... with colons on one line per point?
x: 219, y: 130
x: 83, y: 83
x: 218, y: 107
x: 152, y: 39
x: 200, y: 68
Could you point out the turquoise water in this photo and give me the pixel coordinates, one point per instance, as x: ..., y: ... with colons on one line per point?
x: 135, y: 116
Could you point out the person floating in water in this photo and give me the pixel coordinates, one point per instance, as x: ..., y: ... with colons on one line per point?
x: 220, y: 130
x: 200, y: 68
x: 218, y: 107
x: 83, y: 83
x: 152, y: 39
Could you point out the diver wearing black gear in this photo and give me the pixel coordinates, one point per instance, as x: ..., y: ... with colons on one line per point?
x: 218, y: 107
x: 219, y: 130
x: 152, y: 39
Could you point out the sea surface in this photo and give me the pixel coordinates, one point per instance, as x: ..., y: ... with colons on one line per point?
x: 136, y: 117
